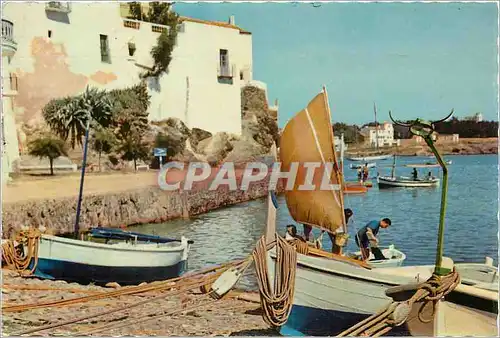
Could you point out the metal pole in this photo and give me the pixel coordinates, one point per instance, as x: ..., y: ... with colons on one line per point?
x: 84, y: 164
x: 438, y: 270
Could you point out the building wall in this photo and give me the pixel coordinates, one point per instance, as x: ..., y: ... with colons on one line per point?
x: 385, y: 135
x: 10, y: 145
x: 70, y: 59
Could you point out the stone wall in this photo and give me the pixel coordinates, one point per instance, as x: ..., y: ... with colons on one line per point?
x: 150, y: 205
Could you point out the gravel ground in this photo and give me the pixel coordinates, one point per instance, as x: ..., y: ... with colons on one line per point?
x: 228, y: 316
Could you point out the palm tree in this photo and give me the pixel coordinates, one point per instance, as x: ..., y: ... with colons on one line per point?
x: 67, y: 117
x: 48, y: 146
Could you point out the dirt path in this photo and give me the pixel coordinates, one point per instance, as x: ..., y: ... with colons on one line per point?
x: 68, y: 185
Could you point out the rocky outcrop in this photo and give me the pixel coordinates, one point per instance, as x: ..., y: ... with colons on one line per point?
x: 259, y: 132
x: 149, y: 205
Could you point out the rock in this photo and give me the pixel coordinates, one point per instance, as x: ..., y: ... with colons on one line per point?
x: 261, y: 128
x: 245, y: 151
x: 198, y: 135
x: 113, y: 285
x: 215, y: 147
x: 253, y: 98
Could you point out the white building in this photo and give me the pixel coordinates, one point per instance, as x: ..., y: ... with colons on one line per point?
x: 10, y: 145
x: 62, y: 47
x: 385, y: 135
x: 477, y: 117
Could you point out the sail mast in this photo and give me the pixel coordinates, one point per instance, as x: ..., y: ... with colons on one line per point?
x: 340, y: 175
x: 376, y: 125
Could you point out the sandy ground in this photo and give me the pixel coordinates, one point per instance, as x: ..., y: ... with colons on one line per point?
x: 229, y: 316
x: 67, y: 185
x: 26, y: 187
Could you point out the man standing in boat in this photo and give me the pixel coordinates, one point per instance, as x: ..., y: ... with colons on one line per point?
x: 336, y: 249
x: 367, y: 236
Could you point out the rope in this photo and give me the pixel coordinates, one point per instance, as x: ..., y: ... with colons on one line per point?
x: 191, y: 284
x: 277, y: 302
x: 300, y: 246
x: 15, y: 257
x: 163, y: 285
x: 396, y: 313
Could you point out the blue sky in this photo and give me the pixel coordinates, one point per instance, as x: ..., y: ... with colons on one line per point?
x: 417, y: 59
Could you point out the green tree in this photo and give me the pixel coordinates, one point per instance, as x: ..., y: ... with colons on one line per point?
x: 48, y: 146
x: 162, y: 14
x: 68, y: 117
x: 103, y: 141
x: 133, y: 148
x: 135, y: 11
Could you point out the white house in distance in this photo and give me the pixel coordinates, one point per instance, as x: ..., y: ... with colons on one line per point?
x: 62, y: 47
x: 385, y: 135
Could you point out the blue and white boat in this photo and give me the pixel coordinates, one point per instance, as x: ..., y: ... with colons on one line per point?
x: 126, y: 258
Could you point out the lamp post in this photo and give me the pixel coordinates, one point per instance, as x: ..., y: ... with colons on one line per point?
x: 82, y: 177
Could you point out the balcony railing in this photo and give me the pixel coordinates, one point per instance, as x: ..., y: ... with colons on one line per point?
x: 13, y: 82
x: 225, y: 71
x: 129, y: 23
x: 7, y: 31
x: 58, y: 6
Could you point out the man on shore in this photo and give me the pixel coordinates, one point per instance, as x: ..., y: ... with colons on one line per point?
x: 366, y: 237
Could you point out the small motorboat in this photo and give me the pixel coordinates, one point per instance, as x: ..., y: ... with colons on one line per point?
x: 368, y: 158
x: 393, y: 258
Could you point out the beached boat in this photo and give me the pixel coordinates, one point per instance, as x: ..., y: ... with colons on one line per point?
x: 127, y: 262
x: 359, y: 166
x: 334, y: 292
x: 124, y: 257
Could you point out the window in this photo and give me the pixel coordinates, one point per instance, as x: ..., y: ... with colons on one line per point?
x: 49, y: 34
x: 241, y: 76
x: 224, y: 62
x: 131, y: 49
x: 105, y: 57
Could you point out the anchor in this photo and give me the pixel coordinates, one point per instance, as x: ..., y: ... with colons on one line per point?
x: 425, y: 129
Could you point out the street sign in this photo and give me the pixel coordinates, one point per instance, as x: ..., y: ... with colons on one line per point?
x: 160, y: 152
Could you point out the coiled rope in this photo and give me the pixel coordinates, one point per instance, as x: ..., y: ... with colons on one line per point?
x: 16, y: 258
x: 396, y: 313
x: 276, y: 302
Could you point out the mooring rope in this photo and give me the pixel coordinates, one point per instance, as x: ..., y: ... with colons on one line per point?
x: 277, y: 302
x: 396, y: 313
x: 16, y: 258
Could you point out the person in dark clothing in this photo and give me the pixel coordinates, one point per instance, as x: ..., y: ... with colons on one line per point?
x: 291, y: 233
x: 366, y: 237
x: 415, y: 174
x: 307, y: 232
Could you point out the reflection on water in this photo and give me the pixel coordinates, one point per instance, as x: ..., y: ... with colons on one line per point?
x: 471, y: 221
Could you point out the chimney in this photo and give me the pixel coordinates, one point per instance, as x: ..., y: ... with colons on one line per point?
x: 231, y: 20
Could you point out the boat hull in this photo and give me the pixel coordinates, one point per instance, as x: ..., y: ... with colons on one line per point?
x: 359, y: 166
x: 331, y: 296
x: 389, y: 182
x: 368, y: 158
x: 127, y: 264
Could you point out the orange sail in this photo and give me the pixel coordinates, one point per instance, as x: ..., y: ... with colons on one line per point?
x: 308, y: 137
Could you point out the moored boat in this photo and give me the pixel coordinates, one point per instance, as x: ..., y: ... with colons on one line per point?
x: 368, y: 158
x: 359, y: 166
x: 402, y: 181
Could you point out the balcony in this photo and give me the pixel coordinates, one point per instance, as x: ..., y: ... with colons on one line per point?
x: 9, y: 46
x: 9, y: 85
x: 58, y: 6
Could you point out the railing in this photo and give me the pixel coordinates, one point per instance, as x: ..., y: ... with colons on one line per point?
x: 131, y: 23
x: 13, y: 82
x: 225, y: 71
x: 7, y: 30
x: 58, y: 6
